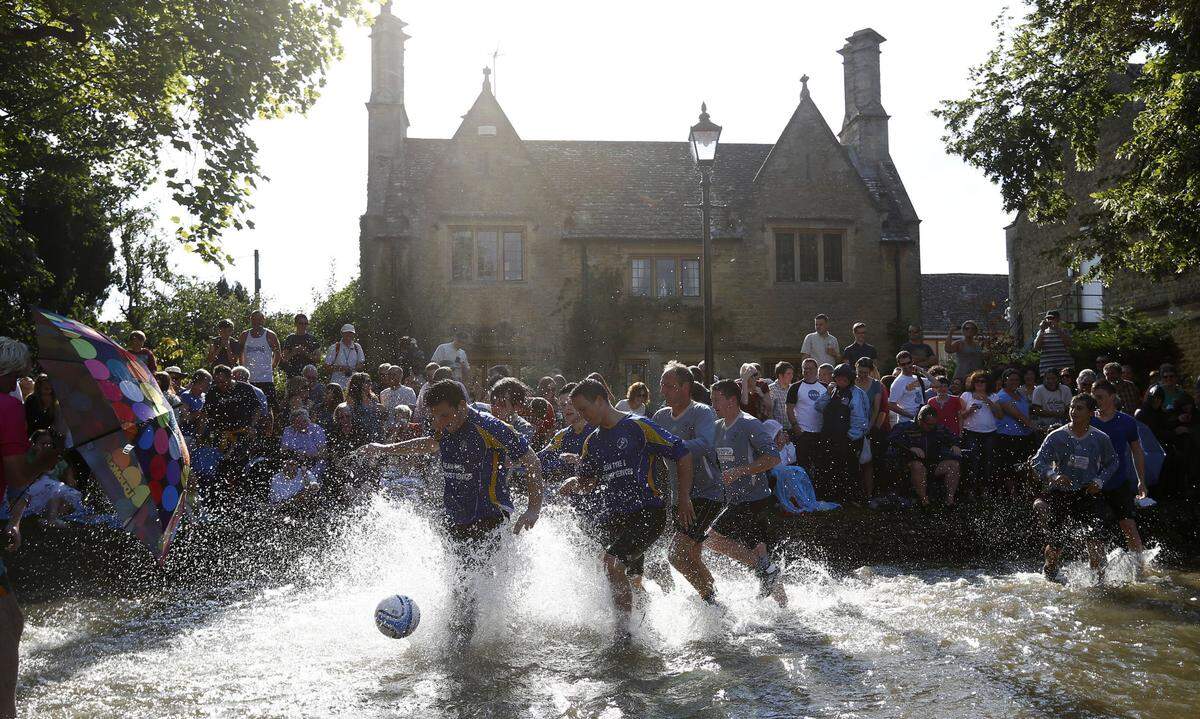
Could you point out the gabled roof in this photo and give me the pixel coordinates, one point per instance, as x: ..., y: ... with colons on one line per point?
x: 954, y: 298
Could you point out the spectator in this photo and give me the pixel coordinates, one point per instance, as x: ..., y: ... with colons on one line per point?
x: 1014, y: 430
x: 825, y: 374
x: 41, y: 409
x: 316, y: 390
x: 1128, y: 375
x: 176, y: 376
x: 23, y: 389
x: 949, y: 407
x: 303, y: 450
x: 1084, y: 383
x: 927, y: 449
x: 333, y: 397
x: 803, y: 417
x: 242, y: 375
x: 164, y: 385
x: 299, y: 348
x: 231, y: 409
x: 1066, y: 376
x: 421, y: 413
x: 845, y: 416
x: 395, y: 395
x: 260, y: 355
x: 1054, y: 343
x: 699, y: 388
x: 820, y: 345
x: 54, y: 489
x: 509, y: 396
x: 1029, y: 383
x: 979, y: 415
x: 876, y: 444
x: 411, y: 356
x: 967, y: 351
x: 427, y: 375
x: 365, y: 410
x: 452, y: 354
x: 1129, y: 397
x: 755, y: 394
x: 784, y: 372
x: 908, y: 389
x: 297, y: 395
x: 345, y: 357
x: 191, y: 406
x: 859, y: 348
x: 223, y: 349
x: 143, y: 354
x: 922, y: 354
x: 637, y: 400
x: 1050, y: 402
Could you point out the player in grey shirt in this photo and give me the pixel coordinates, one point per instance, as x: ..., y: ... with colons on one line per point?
x: 739, y: 525
x: 693, y: 423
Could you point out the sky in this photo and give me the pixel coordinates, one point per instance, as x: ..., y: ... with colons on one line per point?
x: 633, y: 71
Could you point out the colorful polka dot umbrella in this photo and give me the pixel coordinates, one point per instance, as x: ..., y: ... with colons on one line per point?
x: 120, y: 423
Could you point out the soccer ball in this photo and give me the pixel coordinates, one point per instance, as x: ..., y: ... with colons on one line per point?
x: 397, y: 616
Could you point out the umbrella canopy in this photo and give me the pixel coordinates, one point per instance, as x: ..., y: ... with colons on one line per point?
x: 122, y: 425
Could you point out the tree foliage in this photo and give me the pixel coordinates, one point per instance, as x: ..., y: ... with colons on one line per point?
x: 143, y: 268
x: 1036, y: 111
x: 118, y: 95
x: 1129, y: 338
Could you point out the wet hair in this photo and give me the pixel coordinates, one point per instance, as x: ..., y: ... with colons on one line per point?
x: 445, y: 391
x: 590, y: 389
x: 511, y: 389
x: 683, y: 373
x: 781, y: 368
x: 1087, y: 399
x: 539, y: 405
x: 727, y: 388
x: 222, y: 369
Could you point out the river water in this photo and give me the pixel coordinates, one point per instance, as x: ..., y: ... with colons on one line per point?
x: 879, y: 642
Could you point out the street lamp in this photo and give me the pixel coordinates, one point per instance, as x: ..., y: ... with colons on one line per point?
x: 703, y: 137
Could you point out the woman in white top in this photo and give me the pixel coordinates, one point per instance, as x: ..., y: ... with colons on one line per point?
x: 637, y: 400
x: 979, y: 414
x: 345, y: 357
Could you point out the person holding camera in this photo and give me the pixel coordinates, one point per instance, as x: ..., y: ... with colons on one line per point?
x: 1054, y: 342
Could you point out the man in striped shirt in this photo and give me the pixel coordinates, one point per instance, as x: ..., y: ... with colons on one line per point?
x: 1054, y: 343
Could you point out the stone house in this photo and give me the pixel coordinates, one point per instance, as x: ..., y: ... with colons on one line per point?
x: 566, y: 254
x: 1038, y: 282
x: 949, y: 299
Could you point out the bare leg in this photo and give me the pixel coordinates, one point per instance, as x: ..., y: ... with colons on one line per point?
x: 734, y: 550
x: 1095, y: 556
x: 619, y: 583
x: 948, y: 469
x: 1129, y: 527
x: 916, y: 471
x: 685, y: 557
x: 868, y: 481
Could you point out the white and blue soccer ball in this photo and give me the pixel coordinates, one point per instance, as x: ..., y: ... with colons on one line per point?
x: 397, y: 616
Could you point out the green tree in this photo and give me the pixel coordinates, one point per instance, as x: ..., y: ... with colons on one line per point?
x: 143, y: 267
x: 1037, y: 105
x: 124, y: 93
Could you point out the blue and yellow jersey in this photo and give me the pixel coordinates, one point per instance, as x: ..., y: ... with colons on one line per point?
x: 621, y: 460
x: 475, y: 463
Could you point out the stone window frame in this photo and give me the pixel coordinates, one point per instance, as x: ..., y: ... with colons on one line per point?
x: 819, y: 236
x: 501, y: 229
x: 652, y: 260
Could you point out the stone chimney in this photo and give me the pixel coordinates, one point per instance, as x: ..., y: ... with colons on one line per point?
x: 387, y: 122
x: 864, y: 128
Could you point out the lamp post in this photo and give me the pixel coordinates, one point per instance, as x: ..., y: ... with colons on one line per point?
x: 703, y: 137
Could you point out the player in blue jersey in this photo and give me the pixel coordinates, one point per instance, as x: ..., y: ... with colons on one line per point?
x: 618, y: 466
x: 560, y: 457
x: 477, y: 451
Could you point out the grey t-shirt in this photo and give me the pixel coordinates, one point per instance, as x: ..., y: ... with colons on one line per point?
x: 738, y: 445
x: 695, y: 427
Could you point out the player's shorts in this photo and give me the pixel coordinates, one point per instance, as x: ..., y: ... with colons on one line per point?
x: 1120, y: 502
x: 751, y: 523
x: 628, y: 536
x: 706, y: 511
x: 474, y: 544
x: 1068, y: 511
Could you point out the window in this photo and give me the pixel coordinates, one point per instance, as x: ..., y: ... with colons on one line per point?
x: 832, y: 250
x: 785, y: 257
x: 664, y: 277
x: 639, y: 277
x: 807, y: 256
x: 487, y: 254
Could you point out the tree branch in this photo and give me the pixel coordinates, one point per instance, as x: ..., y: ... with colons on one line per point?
x: 74, y: 32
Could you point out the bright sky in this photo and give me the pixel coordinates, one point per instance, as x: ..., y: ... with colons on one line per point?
x: 635, y: 71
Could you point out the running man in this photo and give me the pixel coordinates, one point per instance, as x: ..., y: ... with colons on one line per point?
x: 1077, y: 460
x: 561, y: 456
x: 477, y: 450
x: 739, y: 525
x: 1122, y: 431
x: 618, y: 463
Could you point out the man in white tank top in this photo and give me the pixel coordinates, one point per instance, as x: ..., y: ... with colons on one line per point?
x: 260, y: 355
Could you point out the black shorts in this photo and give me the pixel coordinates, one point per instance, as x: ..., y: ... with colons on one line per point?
x: 1071, y: 510
x: 628, y: 536
x: 707, y: 511
x: 750, y: 523
x: 1120, y: 502
x: 474, y: 544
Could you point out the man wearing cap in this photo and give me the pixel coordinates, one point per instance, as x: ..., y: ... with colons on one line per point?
x: 345, y: 357
x: 451, y: 354
x: 176, y: 375
x: 1054, y: 343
